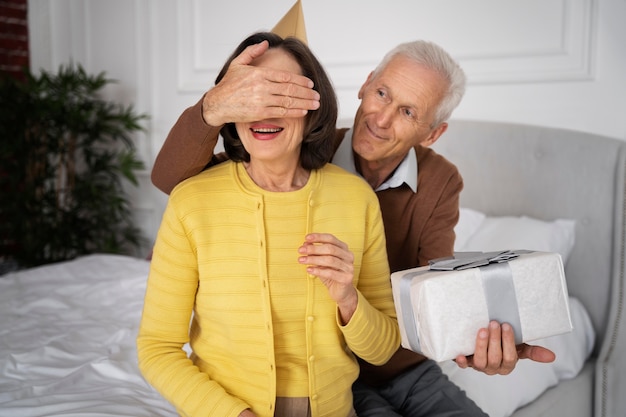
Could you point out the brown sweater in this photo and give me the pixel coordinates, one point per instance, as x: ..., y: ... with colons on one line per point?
x: 418, y: 226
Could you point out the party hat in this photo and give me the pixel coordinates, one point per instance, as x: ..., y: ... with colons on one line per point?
x: 292, y: 24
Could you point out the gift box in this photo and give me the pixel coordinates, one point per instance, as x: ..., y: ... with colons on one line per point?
x: 442, y: 306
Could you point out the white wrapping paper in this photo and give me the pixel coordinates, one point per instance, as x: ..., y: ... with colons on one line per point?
x: 443, y: 310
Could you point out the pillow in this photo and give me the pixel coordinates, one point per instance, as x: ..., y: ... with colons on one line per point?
x: 501, y: 395
x: 508, y: 232
x: 469, y: 222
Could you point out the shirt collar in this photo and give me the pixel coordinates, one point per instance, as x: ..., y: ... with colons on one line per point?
x: 406, y: 172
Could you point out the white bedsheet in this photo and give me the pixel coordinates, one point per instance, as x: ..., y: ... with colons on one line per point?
x: 81, y: 360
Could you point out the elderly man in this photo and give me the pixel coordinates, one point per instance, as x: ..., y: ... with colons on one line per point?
x: 405, y: 103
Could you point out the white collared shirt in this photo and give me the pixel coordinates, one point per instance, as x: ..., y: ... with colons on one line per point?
x: 344, y: 157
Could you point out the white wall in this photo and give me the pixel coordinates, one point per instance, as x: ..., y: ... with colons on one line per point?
x: 559, y: 63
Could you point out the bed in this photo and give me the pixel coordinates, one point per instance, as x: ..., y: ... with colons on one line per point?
x: 67, y: 340
x: 67, y: 330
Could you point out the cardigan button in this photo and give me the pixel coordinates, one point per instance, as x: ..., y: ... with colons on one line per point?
x: 311, y: 319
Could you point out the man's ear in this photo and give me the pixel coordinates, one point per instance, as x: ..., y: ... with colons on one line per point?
x: 369, y: 77
x: 435, y: 134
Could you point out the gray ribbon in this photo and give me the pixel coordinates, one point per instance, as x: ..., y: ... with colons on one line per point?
x: 466, y: 260
x: 410, y: 325
x: 500, y: 295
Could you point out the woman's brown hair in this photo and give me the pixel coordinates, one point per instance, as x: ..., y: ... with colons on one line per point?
x: 319, y: 125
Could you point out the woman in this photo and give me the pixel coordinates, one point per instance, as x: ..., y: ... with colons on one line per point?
x: 281, y: 258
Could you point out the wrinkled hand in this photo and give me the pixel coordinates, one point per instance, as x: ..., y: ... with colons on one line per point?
x: 248, y: 93
x: 496, y: 352
x: 330, y: 259
x: 247, y: 413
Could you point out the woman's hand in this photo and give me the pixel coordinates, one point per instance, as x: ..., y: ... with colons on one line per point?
x: 247, y: 413
x: 330, y: 259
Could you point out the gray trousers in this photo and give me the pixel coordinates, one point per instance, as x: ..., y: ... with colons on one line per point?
x: 423, y: 391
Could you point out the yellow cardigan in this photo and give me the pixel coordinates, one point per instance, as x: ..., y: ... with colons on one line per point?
x: 210, y: 258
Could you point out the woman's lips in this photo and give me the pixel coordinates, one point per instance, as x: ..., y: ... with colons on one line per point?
x: 265, y: 132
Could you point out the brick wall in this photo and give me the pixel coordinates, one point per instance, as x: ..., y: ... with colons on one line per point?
x: 13, y: 58
x: 13, y: 37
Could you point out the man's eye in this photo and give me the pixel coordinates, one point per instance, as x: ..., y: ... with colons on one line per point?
x: 409, y: 113
x: 381, y: 93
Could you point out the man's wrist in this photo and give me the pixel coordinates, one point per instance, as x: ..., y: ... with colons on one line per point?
x: 209, y: 112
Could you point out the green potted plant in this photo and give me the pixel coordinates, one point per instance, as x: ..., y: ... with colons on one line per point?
x: 65, y: 154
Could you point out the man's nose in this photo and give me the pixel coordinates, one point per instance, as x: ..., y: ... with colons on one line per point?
x: 384, y: 115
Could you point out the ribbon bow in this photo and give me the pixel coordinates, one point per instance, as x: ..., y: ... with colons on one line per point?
x: 466, y: 260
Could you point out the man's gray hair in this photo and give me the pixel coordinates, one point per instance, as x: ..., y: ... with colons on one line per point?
x: 434, y: 57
